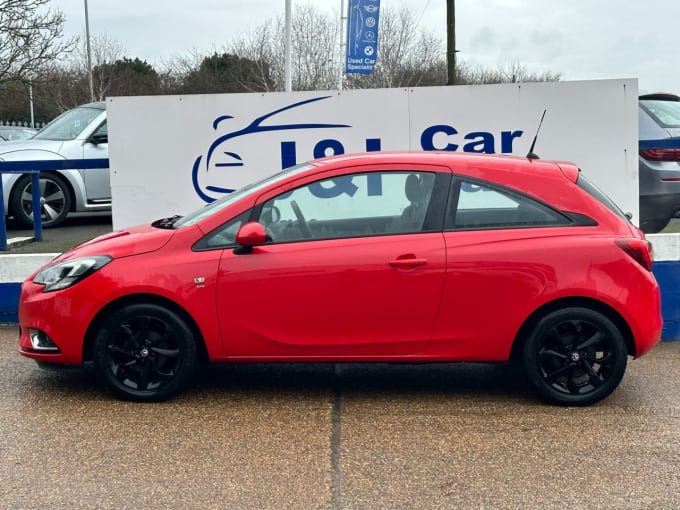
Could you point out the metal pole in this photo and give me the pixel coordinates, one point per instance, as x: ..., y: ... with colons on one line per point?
x: 451, y: 41
x: 287, y: 58
x: 30, y: 101
x: 343, y: 43
x: 36, y: 205
x: 3, y: 227
x: 89, y: 53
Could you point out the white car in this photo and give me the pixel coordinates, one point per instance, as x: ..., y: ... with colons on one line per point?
x: 80, y: 133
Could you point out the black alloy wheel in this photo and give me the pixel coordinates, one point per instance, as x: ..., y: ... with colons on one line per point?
x: 575, y: 357
x: 55, y: 200
x: 145, y: 352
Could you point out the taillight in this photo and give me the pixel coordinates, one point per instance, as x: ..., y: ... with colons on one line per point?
x: 639, y: 250
x: 660, y: 154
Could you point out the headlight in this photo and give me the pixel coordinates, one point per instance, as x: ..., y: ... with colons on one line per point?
x: 70, y: 272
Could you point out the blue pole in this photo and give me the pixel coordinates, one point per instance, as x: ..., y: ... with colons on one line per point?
x: 3, y: 227
x: 35, y: 201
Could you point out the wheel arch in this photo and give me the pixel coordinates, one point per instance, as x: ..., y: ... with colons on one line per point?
x: 75, y: 197
x: 571, y: 302
x: 135, y: 299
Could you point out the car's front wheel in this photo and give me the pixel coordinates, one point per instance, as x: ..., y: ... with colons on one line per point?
x: 574, y: 356
x: 145, y: 352
x: 55, y: 200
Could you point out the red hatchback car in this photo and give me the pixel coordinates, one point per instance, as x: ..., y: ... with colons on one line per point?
x: 382, y: 257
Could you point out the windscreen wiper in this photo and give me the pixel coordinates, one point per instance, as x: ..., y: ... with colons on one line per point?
x: 166, y: 222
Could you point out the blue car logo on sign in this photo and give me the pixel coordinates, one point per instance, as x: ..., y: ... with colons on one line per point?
x: 207, y: 193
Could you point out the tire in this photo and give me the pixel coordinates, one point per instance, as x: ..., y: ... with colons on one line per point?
x: 55, y: 200
x: 145, y: 353
x: 574, y: 357
x: 654, y: 226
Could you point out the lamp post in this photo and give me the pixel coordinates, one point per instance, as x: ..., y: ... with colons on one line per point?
x: 287, y: 51
x: 89, y: 53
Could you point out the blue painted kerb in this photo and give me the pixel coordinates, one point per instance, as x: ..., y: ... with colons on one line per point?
x: 668, y: 276
x: 9, y: 301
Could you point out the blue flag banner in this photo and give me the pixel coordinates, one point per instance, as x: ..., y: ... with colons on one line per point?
x: 362, y: 36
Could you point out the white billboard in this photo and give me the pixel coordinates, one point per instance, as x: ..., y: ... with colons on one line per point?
x: 172, y: 154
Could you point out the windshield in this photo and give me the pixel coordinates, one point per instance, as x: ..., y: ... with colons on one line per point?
x: 69, y: 124
x: 229, y: 199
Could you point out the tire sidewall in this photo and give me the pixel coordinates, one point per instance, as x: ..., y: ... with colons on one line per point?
x: 534, y: 343
x: 185, y: 340
x: 22, y: 183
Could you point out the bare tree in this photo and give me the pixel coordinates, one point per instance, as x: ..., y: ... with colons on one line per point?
x: 314, y: 49
x: 512, y: 72
x: 408, y: 56
x: 30, y: 39
x: 105, y: 52
x: 65, y: 85
x: 267, y: 76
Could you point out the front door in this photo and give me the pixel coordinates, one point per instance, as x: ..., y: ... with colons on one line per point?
x: 97, y: 180
x: 356, y: 275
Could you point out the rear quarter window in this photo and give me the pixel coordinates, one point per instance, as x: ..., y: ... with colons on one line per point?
x: 600, y: 196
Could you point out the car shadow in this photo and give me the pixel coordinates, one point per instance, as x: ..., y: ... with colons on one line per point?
x: 308, y: 380
x: 367, y: 379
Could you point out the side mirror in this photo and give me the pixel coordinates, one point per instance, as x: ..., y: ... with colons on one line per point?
x: 98, y: 138
x: 249, y: 235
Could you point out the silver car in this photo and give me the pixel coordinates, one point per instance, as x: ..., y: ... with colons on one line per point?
x: 80, y: 133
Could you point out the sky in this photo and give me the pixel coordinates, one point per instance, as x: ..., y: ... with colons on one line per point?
x: 581, y: 39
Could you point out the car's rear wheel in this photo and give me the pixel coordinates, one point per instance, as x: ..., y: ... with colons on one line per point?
x: 575, y: 356
x: 145, y: 352
x: 55, y: 200
x: 654, y: 226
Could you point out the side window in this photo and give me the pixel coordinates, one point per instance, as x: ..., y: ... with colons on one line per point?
x: 356, y: 205
x: 484, y: 206
x: 103, y: 128
x: 223, y: 236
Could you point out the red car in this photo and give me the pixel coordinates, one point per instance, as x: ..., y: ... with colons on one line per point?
x: 384, y: 257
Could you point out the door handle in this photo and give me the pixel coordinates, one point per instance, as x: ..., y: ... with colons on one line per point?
x: 407, y: 262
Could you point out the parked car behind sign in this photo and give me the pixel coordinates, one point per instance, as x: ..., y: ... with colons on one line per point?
x: 80, y: 133
x: 659, y: 160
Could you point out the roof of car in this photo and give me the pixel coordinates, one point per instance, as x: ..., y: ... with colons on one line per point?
x: 505, y: 167
x: 101, y: 105
x: 459, y: 159
x: 662, y: 96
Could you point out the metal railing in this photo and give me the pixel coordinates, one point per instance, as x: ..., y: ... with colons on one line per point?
x: 34, y: 168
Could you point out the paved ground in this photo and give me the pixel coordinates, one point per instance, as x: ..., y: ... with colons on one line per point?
x: 76, y: 229
x: 338, y: 437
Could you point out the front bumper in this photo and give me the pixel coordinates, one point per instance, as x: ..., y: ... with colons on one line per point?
x: 62, y: 317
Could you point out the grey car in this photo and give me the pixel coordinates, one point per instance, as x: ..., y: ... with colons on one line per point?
x: 80, y: 133
x: 659, y: 151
